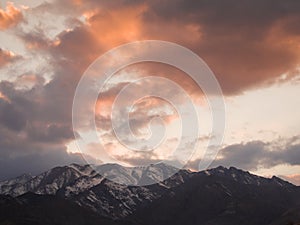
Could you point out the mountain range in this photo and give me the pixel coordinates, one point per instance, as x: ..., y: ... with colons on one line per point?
x: 77, y: 194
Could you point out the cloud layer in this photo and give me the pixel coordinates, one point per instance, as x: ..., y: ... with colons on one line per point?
x: 248, y: 44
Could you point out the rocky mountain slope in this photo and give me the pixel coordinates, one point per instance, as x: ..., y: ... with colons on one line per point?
x: 217, y: 196
x: 86, y: 187
x: 224, y: 196
x: 32, y: 209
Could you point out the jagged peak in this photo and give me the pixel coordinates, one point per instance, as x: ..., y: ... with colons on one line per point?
x: 281, y: 181
x: 245, y: 177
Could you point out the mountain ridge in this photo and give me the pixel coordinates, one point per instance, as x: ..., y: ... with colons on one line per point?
x: 226, y: 192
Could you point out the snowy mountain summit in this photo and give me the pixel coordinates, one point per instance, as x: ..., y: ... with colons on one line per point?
x: 102, y: 189
x: 75, y: 178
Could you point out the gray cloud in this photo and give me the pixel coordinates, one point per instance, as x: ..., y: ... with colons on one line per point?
x: 11, y: 116
x: 36, y: 163
x: 238, y: 39
x: 35, y: 122
x: 257, y: 154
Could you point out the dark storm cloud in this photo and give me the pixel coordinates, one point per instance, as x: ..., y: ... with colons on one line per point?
x: 246, y: 43
x: 11, y: 117
x: 36, y: 163
x: 248, y: 156
x: 258, y: 154
x: 36, y: 39
x: 292, y: 155
x: 227, y: 12
x: 51, y: 133
x: 36, y: 122
x: 31, y: 139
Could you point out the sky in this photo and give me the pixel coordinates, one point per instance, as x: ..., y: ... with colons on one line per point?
x: 252, y: 47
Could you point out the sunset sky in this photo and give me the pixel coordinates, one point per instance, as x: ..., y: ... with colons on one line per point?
x: 253, y: 48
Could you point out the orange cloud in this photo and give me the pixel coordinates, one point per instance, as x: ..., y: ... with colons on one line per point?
x: 9, y: 17
x: 28, y: 81
x: 244, y: 51
x: 6, y: 57
x: 114, y: 27
x: 78, y: 2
